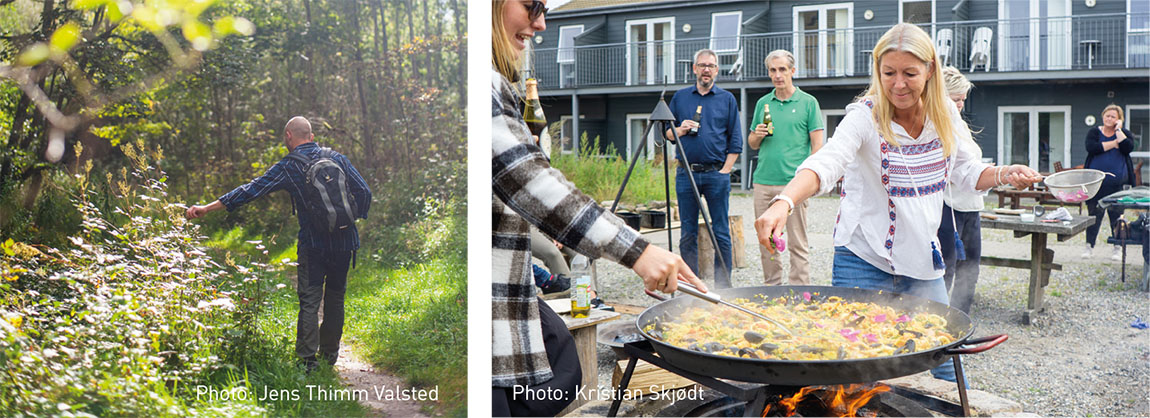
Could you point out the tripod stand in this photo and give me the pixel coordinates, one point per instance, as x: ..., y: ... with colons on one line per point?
x: 663, y: 117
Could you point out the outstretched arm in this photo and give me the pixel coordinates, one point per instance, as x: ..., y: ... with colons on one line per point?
x: 199, y: 211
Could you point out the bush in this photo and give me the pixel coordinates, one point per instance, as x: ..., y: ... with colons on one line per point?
x: 600, y: 175
x: 131, y: 316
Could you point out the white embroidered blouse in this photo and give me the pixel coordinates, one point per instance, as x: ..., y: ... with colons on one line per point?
x: 891, y: 196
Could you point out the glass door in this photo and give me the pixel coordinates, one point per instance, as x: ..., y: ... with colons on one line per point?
x: 1035, y: 136
x: 1034, y: 35
x: 650, y: 51
x: 824, y: 41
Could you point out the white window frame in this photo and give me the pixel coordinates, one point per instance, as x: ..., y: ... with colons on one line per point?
x: 830, y: 112
x: 1126, y: 121
x: 822, y: 9
x: 1034, y: 43
x: 559, y: 55
x: 738, y: 32
x: 575, y: 135
x: 1032, y: 119
x: 650, y: 144
x: 651, y: 49
x: 933, y: 13
x: 1131, y: 31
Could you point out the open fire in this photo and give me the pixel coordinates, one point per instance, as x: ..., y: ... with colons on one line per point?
x: 829, y: 401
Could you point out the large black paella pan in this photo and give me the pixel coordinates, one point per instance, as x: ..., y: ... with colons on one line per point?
x: 821, y: 372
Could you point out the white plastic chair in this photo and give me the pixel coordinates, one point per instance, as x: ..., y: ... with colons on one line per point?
x: 943, y: 41
x: 980, y: 48
x: 737, y: 67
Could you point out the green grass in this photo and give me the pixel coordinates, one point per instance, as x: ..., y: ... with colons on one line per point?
x: 413, y: 322
x: 599, y: 174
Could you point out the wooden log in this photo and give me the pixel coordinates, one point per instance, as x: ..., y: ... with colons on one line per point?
x: 707, y: 251
x: 646, y: 377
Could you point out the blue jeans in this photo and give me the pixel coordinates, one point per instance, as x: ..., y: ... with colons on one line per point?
x: 851, y: 271
x: 716, y: 189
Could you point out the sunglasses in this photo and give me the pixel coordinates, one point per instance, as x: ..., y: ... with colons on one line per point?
x: 536, y: 10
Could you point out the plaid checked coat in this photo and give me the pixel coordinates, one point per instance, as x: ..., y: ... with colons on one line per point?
x: 527, y: 191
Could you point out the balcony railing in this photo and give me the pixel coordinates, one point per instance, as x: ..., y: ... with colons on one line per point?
x: 1040, y: 44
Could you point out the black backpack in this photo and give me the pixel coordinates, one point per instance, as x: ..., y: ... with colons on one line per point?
x: 325, y: 196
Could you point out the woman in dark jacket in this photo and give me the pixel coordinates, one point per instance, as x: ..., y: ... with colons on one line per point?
x: 1108, y: 149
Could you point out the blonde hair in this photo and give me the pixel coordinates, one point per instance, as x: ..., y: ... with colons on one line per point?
x: 504, y: 57
x: 909, y: 38
x: 1116, y: 108
x: 956, y: 83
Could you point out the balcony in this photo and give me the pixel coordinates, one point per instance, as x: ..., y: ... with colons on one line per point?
x: 1097, y: 42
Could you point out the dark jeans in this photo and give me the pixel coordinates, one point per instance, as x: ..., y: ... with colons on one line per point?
x: 716, y: 189
x: 322, y: 277
x: 961, y: 275
x: 1097, y: 212
x: 568, y: 374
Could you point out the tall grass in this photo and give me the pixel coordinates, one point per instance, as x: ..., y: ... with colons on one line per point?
x: 413, y: 320
x: 599, y: 174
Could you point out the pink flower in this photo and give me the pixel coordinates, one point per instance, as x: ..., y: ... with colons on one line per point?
x: 871, y: 338
x: 902, y: 318
x: 880, y: 318
x: 807, y: 296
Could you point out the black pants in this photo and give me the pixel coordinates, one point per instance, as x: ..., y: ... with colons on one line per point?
x: 564, y: 360
x: 322, y: 276
x: 1097, y: 212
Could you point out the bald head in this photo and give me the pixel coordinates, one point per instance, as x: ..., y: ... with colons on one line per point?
x: 298, y: 126
x: 296, y: 132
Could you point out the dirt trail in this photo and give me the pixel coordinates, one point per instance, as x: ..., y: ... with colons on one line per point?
x: 359, y: 375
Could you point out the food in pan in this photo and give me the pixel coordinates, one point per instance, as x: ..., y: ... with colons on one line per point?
x: 828, y: 328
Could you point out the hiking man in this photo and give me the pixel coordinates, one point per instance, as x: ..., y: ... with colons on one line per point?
x: 328, y: 195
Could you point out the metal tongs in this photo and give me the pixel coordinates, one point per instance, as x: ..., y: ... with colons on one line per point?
x: 715, y: 298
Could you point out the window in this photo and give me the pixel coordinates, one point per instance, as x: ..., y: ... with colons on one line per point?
x: 636, y: 123
x: 918, y: 12
x: 566, y: 55
x: 1138, y: 122
x: 825, y: 41
x: 1137, y: 33
x: 725, y: 31
x: 831, y: 120
x: 566, y: 136
x: 1037, y: 136
x: 651, y: 51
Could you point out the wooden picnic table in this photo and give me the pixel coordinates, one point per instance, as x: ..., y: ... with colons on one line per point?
x: 1041, y: 260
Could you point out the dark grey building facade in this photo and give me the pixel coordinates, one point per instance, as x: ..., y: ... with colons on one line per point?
x: 1043, y: 70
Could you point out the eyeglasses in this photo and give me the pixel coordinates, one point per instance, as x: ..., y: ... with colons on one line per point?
x: 536, y: 10
x: 707, y: 66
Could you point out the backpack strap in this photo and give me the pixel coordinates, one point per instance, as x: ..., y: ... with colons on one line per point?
x: 299, y: 157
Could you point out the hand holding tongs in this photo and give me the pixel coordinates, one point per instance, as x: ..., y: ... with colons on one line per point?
x: 715, y: 298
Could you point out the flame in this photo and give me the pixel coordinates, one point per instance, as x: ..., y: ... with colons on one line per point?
x: 843, y: 401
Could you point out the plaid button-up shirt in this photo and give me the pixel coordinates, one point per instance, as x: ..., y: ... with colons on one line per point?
x: 529, y: 192
x: 287, y: 174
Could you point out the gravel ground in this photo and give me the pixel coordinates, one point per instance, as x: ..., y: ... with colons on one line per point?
x: 1079, y: 358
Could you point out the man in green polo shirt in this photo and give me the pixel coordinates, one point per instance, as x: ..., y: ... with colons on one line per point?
x: 795, y: 132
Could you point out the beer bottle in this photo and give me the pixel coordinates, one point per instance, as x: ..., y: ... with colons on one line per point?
x: 698, y: 116
x: 581, y: 295
x: 767, y: 119
x: 532, y: 110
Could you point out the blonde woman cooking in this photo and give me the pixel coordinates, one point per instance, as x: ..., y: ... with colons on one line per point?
x: 898, y: 146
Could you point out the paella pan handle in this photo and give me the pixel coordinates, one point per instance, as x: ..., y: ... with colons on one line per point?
x: 657, y: 296
x: 991, y: 341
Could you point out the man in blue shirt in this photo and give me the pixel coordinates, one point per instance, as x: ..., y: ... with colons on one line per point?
x: 712, y: 152
x: 323, y: 257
